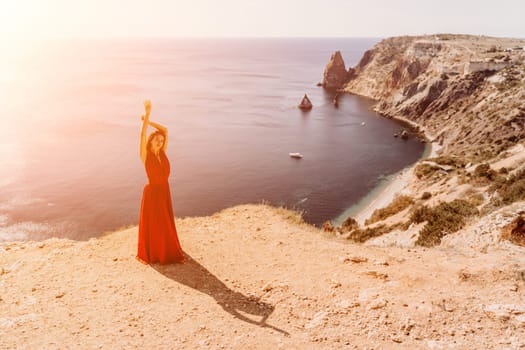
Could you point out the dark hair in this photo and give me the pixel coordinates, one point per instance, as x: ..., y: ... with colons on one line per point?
x: 152, y: 136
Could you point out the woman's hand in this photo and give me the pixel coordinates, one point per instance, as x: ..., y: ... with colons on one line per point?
x: 147, y: 107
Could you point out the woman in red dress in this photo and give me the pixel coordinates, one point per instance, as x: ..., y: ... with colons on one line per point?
x: 157, y: 241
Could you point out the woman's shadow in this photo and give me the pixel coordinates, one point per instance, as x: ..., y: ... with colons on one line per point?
x: 196, y: 276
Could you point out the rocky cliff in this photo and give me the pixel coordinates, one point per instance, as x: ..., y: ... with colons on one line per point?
x: 468, y: 91
x: 467, y: 94
x: 335, y: 74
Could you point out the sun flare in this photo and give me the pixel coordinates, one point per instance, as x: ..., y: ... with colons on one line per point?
x: 19, y: 19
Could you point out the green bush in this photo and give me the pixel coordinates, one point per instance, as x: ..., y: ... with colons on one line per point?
x: 445, y: 218
x: 400, y: 203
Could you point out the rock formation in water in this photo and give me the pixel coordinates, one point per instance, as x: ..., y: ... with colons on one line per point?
x: 305, y: 104
x: 335, y: 74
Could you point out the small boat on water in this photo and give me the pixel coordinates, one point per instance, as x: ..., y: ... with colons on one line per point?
x: 296, y: 155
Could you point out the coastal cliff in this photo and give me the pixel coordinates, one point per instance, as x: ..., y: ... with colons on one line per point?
x: 258, y: 277
x: 466, y: 94
x: 466, y: 91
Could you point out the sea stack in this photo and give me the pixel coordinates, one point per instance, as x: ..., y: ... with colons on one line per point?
x: 335, y: 74
x: 305, y: 104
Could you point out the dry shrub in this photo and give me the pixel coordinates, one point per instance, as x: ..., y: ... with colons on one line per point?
x: 484, y: 175
x: 445, y: 218
x: 515, y: 231
x: 497, y: 184
x: 328, y: 227
x: 363, y: 234
x: 485, y: 171
x: 508, y: 190
x: 290, y: 215
x: 426, y: 195
x: 405, y: 225
x: 420, y: 213
x: 450, y: 160
x: 349, y: 224
x: 424, y: 171
x: 513, y: 189
x: 477, y: 199
x: 400, y: 203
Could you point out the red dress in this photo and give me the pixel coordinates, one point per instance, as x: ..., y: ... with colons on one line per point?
x: 158, y: 241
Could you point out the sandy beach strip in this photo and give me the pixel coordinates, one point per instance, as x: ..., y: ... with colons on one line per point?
x: 392, y: 186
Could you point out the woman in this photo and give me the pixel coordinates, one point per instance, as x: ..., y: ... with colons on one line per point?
x: 158, y: 241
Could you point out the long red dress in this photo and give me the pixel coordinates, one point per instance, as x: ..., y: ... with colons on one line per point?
x: 158, y: 240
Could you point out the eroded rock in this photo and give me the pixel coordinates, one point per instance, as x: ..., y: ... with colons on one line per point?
x: 335, y: 74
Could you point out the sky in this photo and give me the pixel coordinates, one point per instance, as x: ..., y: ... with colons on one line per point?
x: 34, y: 19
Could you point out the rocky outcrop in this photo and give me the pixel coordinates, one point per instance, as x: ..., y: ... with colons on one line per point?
x: 305, y: 104
x: 468, y: 97
x: 335, y: 74
x: 429, y: 80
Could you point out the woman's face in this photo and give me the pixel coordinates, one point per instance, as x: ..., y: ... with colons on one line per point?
x: 157, y: 143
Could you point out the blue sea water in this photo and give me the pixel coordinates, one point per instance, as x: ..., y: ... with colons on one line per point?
x: 69, y: 158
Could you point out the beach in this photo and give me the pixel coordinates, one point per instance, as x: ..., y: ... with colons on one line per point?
x: 396, y: 184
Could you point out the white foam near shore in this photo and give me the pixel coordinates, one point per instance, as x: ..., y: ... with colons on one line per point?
x: 20, y: 231
x: 379, y: 197
x: 385, y: 192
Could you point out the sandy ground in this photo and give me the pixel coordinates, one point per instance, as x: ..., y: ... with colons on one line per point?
x: 258, y: 278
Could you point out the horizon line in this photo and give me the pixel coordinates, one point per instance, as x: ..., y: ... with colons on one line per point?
x: 263, y: 36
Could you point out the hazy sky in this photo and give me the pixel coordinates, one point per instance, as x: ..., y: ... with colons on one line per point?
x: 234, y: 18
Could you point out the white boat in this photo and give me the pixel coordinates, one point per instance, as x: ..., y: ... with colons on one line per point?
x: 296, y: 155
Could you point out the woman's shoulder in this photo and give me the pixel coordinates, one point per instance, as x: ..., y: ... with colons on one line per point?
x: 163, y: 154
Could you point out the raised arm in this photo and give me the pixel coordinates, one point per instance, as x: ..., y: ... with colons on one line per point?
x: 162, y: 129
x: 143, y: 131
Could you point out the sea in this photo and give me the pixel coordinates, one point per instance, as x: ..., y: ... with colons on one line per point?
x: 71, y: 116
